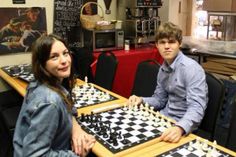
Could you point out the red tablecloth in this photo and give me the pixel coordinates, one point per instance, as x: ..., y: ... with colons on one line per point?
x: 127, y: 65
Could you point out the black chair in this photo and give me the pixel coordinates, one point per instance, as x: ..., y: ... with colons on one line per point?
x: 231, y: 139
x: 105, y: 70
x: 10, y: 106
x: 216, y: 94
x: 82, y: 59
x: 146, y: 78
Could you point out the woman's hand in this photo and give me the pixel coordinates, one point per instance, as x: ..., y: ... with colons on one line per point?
x: 82, y: 142
x: 172, y: 134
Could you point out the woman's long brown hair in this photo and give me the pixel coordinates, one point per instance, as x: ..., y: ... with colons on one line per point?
x: 40, y: 55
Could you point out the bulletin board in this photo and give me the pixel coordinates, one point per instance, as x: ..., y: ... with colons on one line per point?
x: 66, y: 21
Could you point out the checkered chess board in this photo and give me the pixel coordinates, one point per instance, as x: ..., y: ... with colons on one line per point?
x: 21, y: 71
x: 195, y: 148
x: 87, y: 95
x: 120, y: 129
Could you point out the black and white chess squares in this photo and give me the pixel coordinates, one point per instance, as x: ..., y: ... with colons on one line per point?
x: 86, y: 95
x: 196, y: 148
x: 122, y: 129
x: 22, y: 71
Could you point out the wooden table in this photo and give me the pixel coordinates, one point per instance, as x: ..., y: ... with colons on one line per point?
x: 151, y: 148
x: 17, y: 84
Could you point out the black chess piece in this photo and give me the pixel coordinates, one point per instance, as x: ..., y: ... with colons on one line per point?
x: 97, y: 128
x: 119, y: 135
x: 115, y: 142
x: 82, y: 117
x: 15, y: 70
x: 125, y: 141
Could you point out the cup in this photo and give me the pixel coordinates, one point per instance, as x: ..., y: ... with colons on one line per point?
x: 127, y: 43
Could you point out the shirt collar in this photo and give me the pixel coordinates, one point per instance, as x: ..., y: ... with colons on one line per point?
x: 169, y: 68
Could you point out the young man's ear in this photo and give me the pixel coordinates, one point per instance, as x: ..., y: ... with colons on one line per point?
x: 156, y: 43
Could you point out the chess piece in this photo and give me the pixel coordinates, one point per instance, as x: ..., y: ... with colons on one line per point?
x: 82, y: 117
x: 198, y: 143
x: 125, y: 107
x: 205, y: 145
x: 86, y: 79
x: 190, y: 146
x: 15, y: 70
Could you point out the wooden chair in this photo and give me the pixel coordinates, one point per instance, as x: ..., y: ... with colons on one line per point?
x: 146, y: 78
x: 105, y: 70
x: 216, y: 94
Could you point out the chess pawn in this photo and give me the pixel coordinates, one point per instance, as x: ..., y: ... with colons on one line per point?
x: 151, y: 109
x: 86, y: 79
x: 190, y: 146
x: 205, y: 145
x: 197, y: 143
x: 125, y: 107
x: 214, y: 151
x: 157, y: 119
x: 135, y: 109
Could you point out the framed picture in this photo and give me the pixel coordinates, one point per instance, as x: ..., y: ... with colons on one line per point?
x: 20, y: 27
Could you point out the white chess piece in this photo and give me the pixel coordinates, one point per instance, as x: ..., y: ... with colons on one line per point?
x: 205, y: 145
x: 125, y: 107
x: 198, y: 143
x: 190, y: 146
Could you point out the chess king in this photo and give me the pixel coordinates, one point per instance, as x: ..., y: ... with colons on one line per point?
x: 181, y: 91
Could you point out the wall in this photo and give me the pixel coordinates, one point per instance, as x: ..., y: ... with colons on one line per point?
x: 163, y: 11
x: 20, y: 58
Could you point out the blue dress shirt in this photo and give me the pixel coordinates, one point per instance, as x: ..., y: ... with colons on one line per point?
x: 181, y: 92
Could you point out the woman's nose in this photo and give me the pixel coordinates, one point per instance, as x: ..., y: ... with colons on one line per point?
x: 63, y: 59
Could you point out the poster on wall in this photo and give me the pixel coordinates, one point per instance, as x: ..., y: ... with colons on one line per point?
x: 20, y: 27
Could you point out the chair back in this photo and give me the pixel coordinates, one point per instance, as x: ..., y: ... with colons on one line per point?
x: 216, y: 94
x: 10, y: 106
x: 146, y: 78
x: 105, y: 70
x: 231, y: 139
x: 82, y: 59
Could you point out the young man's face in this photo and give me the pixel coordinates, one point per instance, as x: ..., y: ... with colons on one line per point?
x: 168, y: 48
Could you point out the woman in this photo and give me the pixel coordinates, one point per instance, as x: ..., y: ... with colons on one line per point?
x: 45, y: 124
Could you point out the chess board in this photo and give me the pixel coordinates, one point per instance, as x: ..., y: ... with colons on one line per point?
x: 195, y: 149
x: 87, y: 95
x: 120, y: 129
x: 21, y: 71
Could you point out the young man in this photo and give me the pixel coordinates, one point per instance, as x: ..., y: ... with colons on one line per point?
x: 181, y: 91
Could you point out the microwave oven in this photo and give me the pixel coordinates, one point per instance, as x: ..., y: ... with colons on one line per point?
x: 103, y: 40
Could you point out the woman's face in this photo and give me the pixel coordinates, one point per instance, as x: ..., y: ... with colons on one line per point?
x: 59, y: 62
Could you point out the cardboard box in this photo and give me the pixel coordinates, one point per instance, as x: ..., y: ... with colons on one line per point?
x: 220, y: 5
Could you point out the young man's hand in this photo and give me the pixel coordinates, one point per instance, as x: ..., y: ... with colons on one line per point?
x: 172, y: 134
x: 134, y: 100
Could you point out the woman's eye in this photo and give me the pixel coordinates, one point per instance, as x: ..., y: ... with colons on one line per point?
x: 66, y: 53
x: 54, y: 57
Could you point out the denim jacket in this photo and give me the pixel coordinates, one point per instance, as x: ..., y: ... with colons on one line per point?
x: 44, y: 124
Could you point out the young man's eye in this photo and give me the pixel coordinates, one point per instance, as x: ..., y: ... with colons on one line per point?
x: 161, y: 42
x: 172, y: 41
